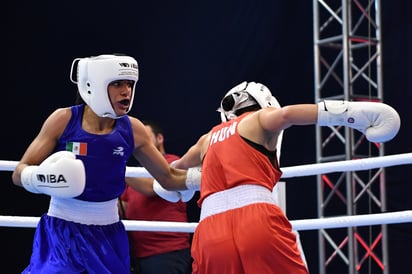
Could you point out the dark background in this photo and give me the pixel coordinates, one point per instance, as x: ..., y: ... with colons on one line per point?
x: 190, y: 53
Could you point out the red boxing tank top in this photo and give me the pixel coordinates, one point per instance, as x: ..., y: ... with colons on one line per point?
x: 231, y: 161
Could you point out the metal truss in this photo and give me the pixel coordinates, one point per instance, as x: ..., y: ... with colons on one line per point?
x: 347, y: 50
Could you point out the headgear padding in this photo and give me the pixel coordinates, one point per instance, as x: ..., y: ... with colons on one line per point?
x: 94, y: 74
x: 243, y: 95
x: 241, y: 98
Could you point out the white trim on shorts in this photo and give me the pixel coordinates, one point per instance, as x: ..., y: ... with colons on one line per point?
x: 235, y: 197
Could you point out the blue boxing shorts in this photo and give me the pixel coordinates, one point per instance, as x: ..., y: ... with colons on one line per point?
x: 62, y: 246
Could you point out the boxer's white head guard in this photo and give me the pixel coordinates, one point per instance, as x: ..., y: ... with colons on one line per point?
x: 246, y: 94
x: 94, y: 74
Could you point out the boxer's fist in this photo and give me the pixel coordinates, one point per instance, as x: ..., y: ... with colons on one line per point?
x: 168, y: 195
x: 60, y: 175
x: 172, y: 195
x: 186, y: 195
x: 379, y: 122
x: 193, y: 177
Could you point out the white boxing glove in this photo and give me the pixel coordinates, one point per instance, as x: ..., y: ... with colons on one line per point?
x: 172, y: 196
x: 169, y: 195
x: 192, y: 184
x: 378, y: 121
x: 193, y: 177
x: 186, y: 195
x: 60, y: 175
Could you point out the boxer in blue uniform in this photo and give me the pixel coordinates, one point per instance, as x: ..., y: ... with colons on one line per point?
x: 79, y: 159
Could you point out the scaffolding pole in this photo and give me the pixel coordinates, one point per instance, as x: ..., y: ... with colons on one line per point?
x: 347, y: 66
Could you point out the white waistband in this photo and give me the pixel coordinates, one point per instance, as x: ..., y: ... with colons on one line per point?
x: 235, y: 197
x: 88, y: 213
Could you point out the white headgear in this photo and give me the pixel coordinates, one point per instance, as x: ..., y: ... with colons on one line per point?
x: 243, y: 95
x: 94, y: 74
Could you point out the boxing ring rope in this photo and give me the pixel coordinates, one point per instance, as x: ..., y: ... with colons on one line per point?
x: 288, y: 172
x: 299, y: 225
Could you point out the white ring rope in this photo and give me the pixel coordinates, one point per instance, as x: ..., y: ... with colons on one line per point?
x: 307, y: 224
x: 288, y: 172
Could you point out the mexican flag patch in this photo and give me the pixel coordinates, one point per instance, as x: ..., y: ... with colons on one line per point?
x: 77, y: 148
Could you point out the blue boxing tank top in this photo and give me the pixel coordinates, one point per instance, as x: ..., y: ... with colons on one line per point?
x: 104, y: 156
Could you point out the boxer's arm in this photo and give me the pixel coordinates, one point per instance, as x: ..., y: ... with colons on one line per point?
x: 379, y: 122
x: 193, y: 157
x: 44, y: 143
x: 142, y: 185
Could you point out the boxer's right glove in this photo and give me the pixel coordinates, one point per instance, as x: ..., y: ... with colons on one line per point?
x: 59, y: 175
x: 172, y: 195
x: 379, y: 122
x: 192, y: 184
x: 168, y: 195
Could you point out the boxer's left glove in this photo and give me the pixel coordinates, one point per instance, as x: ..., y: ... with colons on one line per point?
x: 59, y: 175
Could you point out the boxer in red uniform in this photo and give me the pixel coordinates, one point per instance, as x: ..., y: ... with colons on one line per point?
x: 241, y: 229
